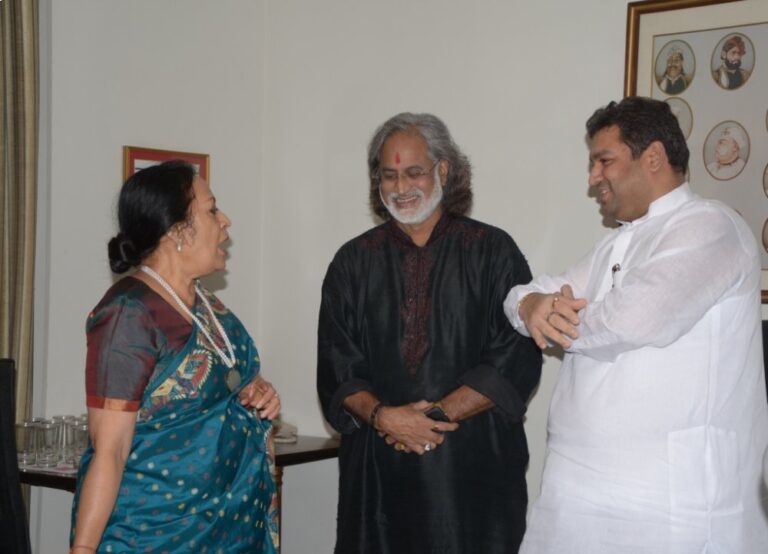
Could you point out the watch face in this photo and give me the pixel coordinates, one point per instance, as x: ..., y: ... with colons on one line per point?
x: 437, y: 413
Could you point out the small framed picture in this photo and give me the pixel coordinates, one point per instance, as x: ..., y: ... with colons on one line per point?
x: 138, y: 157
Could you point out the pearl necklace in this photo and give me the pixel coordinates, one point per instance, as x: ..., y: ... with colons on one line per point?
x: 229, y: 361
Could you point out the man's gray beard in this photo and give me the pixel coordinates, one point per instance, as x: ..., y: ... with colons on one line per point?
x: 427, y: 206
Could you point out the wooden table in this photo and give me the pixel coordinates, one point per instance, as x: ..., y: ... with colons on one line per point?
x: 305, y: 450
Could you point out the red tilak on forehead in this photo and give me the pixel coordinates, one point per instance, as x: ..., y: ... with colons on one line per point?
x: 397, y: 157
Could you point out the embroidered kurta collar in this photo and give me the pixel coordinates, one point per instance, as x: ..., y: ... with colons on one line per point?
x: 442, y: 225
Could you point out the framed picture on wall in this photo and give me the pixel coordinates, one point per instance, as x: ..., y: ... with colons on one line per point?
x: 708, y: 59
x: 138, y: 157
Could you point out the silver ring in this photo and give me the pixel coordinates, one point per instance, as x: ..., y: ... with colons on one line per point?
x: 427, y: 447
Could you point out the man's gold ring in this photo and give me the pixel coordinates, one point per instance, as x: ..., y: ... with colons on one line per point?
x: 399, y: 446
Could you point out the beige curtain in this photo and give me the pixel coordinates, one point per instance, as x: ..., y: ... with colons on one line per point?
x: 18, y: 185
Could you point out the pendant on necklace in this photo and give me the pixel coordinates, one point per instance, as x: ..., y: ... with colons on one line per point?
x: 233, y: 379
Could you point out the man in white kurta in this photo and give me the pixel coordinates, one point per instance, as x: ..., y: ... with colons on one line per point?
x: 659, y: 420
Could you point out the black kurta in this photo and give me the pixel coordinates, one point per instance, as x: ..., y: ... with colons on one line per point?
x: 410, y: 323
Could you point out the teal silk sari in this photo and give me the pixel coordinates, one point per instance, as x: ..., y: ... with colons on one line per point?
x: 199, y: 477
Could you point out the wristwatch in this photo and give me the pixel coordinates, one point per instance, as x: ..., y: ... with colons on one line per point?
x: 437, y: 413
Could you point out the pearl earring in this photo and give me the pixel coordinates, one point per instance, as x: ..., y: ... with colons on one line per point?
x: 178, y: 245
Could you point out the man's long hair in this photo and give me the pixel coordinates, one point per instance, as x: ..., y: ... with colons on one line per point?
x: 457, y: 191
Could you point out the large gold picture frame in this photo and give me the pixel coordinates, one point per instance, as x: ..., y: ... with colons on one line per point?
x: 709, y: 108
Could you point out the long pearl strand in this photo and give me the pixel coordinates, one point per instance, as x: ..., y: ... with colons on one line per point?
x: 229, y: 361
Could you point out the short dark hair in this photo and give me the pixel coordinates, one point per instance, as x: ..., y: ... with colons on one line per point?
x: 457, y: 191
x: 642, y: 121
x: 151, y: 202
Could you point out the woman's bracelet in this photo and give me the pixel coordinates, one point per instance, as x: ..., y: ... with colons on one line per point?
x: 374, y: 413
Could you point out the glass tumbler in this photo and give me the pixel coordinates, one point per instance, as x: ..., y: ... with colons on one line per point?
x: 79, y: 442
x: 47, y: 450
x: 64, y: 438
x: 58, y: 421
x: 26, y: 441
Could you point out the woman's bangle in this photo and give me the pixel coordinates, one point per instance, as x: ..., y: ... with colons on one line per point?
x: 81, y: 546
x: 374, y: 413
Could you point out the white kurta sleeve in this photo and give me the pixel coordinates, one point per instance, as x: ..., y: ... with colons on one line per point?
x: 696, y: 257
x: 577, y: 277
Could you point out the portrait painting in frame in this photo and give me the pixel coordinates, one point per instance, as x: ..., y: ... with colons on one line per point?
x: 709, y: 60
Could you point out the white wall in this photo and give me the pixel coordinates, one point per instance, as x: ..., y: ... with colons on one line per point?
x: 284, y: 96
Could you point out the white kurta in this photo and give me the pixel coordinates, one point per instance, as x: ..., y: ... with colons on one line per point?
x: 659, y: 419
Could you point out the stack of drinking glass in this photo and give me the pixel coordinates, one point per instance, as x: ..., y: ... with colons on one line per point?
x: 55, y: 443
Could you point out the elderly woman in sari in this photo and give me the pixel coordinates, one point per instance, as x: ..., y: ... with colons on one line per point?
x: 179, y: 458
